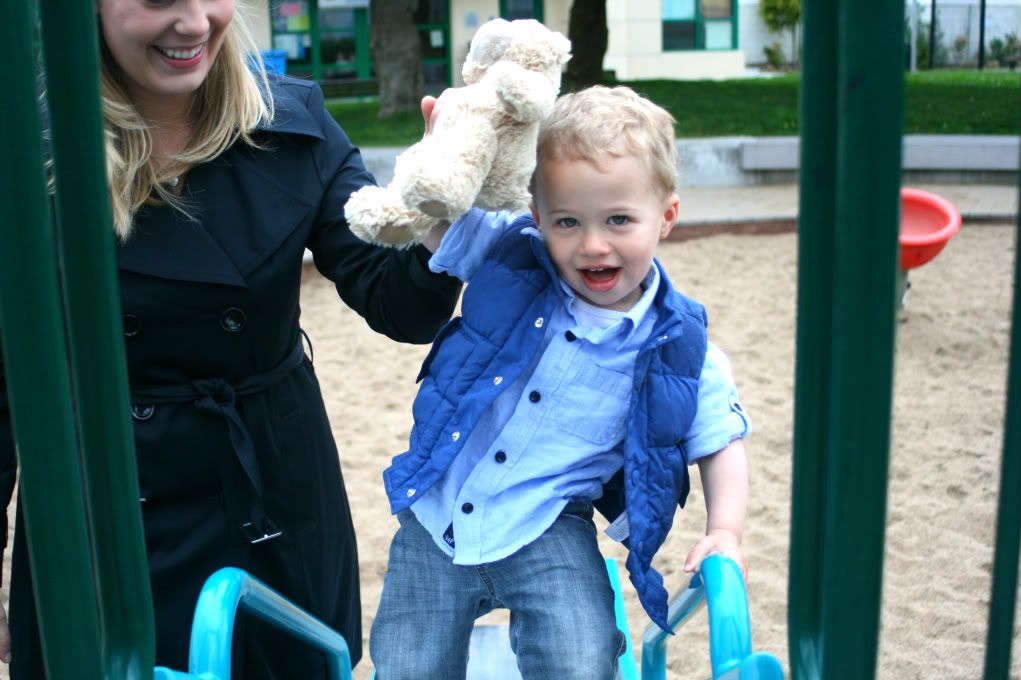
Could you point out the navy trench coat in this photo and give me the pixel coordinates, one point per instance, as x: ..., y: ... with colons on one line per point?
x: 237, y: 464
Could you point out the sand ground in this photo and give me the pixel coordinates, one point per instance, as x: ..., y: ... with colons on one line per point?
x: 946, y: 447
x: 952, y: 344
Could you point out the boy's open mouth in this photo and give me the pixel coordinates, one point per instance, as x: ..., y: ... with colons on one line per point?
x: 601, y: 278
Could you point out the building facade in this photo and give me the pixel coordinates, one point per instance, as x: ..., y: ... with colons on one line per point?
x: 329, y: 39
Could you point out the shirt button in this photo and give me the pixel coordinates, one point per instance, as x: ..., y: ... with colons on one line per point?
x: 467, y: 508
x: 497, y: 380
x: 571, y: 337
x: 142, y: 412
x: 455, y: 436
x: 539, y: 322
x: 534, y: 397
x: 132, y: 325
x: 411, y: 492
x: 232, y: 319
x: 500, y: 457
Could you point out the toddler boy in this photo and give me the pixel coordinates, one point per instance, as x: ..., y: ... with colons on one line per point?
x: 576, y: 377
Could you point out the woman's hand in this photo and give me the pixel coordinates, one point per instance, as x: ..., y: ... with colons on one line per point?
x: 429, y: 113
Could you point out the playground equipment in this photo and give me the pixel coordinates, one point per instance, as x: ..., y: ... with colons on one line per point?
x: 76, y: 451
x: 718, y: 586
x: 927, y: 222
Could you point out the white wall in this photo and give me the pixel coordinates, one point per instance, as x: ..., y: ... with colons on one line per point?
x: 635, y: 48
x: 257, y: 13
x: 753, y: 36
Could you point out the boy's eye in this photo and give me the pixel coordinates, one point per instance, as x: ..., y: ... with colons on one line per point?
x: 567, y: 222
x: 618, y: 220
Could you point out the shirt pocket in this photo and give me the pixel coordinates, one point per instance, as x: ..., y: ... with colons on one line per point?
x: 594, y: 404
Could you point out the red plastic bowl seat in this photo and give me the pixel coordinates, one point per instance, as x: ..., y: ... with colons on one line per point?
x: 927, y: 222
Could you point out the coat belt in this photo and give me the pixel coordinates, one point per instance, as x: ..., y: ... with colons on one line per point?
x: 218, y: 398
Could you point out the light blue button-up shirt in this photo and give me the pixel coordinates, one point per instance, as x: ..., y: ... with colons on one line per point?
x: 556, y: 434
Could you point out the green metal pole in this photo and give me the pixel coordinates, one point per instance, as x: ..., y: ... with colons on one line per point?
x: 1008, y: 519
x: 867, y: 220
x: 851, y: 114
x: 363, y: 48
x: 96, y: 333
x: 37, y: 373
x: 313, y: 30
x: 818, y: 113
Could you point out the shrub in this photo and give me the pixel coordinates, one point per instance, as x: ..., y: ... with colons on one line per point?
x: 1007, y: 50
x: 960, y: 49
x: 774, y: 56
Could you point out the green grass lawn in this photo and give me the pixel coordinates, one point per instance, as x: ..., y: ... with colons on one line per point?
x: 936, y: 102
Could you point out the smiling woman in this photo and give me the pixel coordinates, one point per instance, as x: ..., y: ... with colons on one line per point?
x: 220, y: 178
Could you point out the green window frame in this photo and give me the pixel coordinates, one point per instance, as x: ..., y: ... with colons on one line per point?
x: 432, y: 19
x: 703, y: 25
x: 322, y: 39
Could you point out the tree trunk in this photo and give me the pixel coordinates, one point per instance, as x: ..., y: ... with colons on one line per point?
x: 396, y: 56
x: 588, y: 34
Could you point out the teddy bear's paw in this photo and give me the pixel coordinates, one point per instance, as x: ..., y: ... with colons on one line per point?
x: 396, y: 236
x: 376, y: 215
x: 435, y: 208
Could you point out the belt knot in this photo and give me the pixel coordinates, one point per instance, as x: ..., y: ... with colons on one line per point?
x: 216, y: 393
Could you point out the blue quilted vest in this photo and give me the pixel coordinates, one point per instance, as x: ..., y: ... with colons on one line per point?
x: 501, y: 328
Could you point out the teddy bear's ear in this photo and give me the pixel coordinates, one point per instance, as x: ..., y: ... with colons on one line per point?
x: 563, y: 47
x: 487, y: 47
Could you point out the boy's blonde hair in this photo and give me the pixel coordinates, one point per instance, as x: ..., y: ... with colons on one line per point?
x: 228, y: 106
x: 598, y: 121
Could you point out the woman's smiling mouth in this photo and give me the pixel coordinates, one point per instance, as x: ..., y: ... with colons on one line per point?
x: 180, y: 54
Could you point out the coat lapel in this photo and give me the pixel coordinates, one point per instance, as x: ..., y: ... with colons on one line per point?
x: 169, y: 245
x: 245, y: 203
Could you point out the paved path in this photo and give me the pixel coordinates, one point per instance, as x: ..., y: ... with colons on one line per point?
x: 763, y: 204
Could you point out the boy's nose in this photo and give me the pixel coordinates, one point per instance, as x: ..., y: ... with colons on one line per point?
x: 593, y: 242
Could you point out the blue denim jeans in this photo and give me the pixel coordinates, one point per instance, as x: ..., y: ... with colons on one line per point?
x: 562, y: 622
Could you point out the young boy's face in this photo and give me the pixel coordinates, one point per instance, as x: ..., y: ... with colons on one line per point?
x: 601, y: 224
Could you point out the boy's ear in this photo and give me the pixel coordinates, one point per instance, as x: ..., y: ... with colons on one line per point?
x: 535, y: 212
x: 670, y: 215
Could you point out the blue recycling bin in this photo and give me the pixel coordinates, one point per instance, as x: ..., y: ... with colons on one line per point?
x: 275, y: 61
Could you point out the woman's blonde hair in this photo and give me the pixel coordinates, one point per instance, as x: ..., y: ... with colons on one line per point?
x: 228, y: 106
x: 601, y: 121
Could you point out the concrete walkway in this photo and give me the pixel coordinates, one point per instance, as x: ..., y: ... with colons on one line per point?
x: 749, y: 184
x: 777, y: 204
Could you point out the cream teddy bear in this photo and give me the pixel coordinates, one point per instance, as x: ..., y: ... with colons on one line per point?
x: 481, y: 148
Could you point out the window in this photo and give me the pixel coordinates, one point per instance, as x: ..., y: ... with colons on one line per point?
x: 432, y: 18
x: 521, y: 9
x: 699, y: 25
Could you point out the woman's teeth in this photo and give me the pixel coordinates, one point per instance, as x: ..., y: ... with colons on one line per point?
x: 179, y: 53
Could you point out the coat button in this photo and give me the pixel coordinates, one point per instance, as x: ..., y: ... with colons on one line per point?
x: 132, y: 325
x: 142, y: 412
x: 467, y: 508
x: 232, y: 319
x: 500, y: 457
x: 534, y: 397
